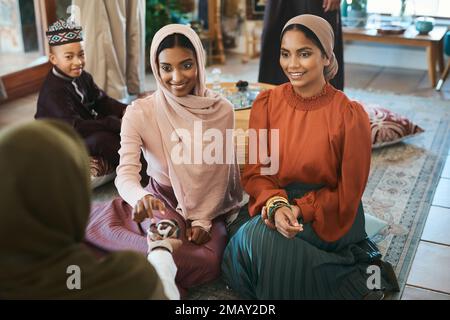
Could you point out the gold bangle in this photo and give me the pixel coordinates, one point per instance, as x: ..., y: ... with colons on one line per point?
x: 276, y: 198
x: 272, y: 199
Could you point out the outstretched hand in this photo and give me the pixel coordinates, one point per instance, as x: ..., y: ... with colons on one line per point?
x: 144, y: 208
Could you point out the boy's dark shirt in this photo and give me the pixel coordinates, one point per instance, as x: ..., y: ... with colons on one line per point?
x: 79, y: 102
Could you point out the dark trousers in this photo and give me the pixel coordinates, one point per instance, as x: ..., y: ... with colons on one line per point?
x: 104, y: 144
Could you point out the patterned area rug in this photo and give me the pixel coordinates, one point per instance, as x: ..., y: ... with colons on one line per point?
x: 403, y: 177
x: 402, y: 181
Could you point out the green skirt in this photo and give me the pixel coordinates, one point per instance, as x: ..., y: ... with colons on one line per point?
x: 260, y: 263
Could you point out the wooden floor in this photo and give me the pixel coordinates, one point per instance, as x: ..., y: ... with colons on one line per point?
x: 429, y: 277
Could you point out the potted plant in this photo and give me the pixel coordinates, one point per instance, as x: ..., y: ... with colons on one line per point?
x: 160, y: 13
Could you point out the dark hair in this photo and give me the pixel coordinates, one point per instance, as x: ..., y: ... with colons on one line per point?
x: 175, y: 40
x: 308, y: 34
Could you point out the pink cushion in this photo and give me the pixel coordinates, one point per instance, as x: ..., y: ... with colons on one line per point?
x: 101, y: 172
x: 389, y: 127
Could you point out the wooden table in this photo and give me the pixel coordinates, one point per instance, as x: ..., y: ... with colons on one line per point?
x: 433, y: 42
x: 242, y: 117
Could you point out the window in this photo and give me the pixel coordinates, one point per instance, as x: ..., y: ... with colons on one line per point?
x: 19, y: 44
x: 24, y: 64
x: 435, y: 8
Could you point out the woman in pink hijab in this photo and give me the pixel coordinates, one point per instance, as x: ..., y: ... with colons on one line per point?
x: 181, y: 131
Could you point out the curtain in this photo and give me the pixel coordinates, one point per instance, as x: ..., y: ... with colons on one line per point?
x: 114, y: 36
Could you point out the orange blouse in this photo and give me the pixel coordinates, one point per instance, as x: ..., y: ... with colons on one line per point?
x: 324, y: 139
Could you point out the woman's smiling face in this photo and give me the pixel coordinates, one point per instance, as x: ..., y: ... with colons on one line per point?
x: 303, y: 63
x: 178, y: 70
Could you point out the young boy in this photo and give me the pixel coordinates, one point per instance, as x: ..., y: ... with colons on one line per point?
x: 70, y: 94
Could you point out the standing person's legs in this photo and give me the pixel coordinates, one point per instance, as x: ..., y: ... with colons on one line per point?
x: 274, y: 20
x: 276, y: 14
x: 334, y: 18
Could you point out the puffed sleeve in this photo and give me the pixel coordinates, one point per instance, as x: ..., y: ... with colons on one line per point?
x: 258, y: 185
x: 333, y: 210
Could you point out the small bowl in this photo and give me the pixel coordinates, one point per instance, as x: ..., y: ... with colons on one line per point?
x: 389, y: 29
x: 424, y: 24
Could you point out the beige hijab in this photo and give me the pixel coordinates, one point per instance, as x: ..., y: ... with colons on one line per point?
x: 204, y: 191
x: 44, y: 170
x: 324, y: 32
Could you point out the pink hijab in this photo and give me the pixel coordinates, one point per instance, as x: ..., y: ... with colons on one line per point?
x: 204, y: 191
